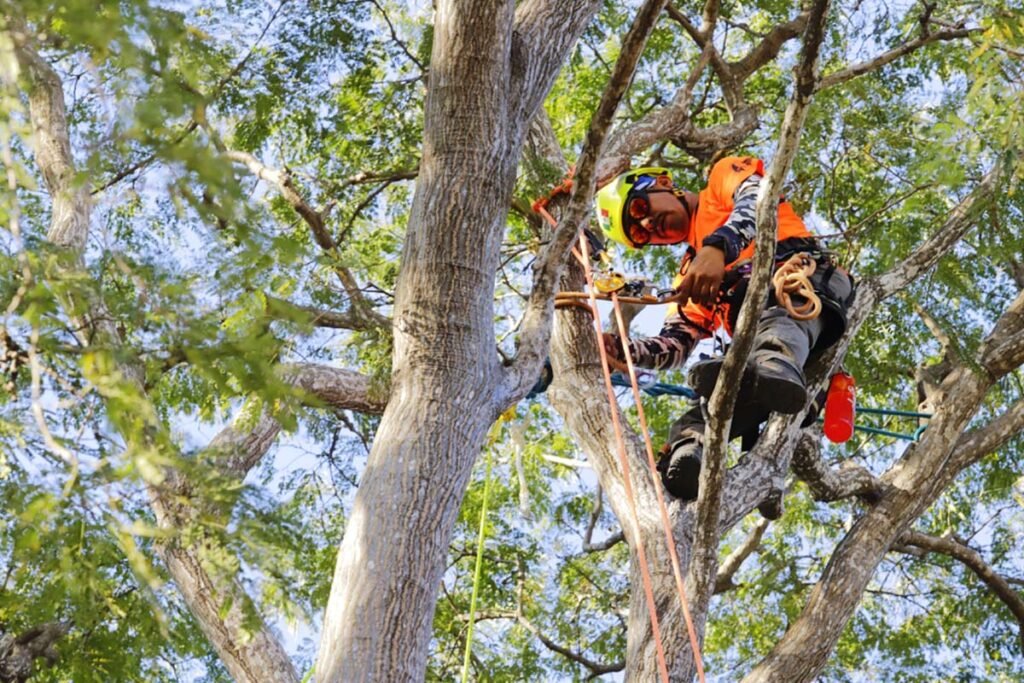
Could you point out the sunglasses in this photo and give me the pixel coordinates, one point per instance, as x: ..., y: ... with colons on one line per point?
x: 638, y: 207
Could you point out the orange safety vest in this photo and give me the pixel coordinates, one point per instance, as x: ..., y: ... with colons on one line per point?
x: 714, y: 206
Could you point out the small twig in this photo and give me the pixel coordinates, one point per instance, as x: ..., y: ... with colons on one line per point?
x: 394, y: 37
x: 595, y: 668
x: 37, y: 411
x: 731, y: 564
x: 193, y: 123
x: 588, y: 545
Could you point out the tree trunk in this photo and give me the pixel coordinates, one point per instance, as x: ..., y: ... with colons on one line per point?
x: 378, y: 621
x: 578, y: 395
x: 18, y: 655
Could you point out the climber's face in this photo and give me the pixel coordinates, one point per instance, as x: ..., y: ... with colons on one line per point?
x: 655, y: 215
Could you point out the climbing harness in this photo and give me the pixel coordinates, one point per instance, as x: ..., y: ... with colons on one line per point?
x: 791, y: 279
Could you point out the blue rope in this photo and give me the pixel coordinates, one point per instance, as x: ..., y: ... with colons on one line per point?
x: 661, y: 389
x: 655, y: 388
x: 648, y: 387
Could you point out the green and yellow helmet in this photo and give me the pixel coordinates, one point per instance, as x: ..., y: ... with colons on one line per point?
x: 611, y: 202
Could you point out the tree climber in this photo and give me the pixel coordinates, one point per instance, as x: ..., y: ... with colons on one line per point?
x: 641, y: 207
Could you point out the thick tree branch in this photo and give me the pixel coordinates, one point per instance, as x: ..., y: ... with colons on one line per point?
x: 712, y: 477
x: 250, y: 655
x: 537, y: 320
x: 18, y: 654
x: 892, y: 55
x: 1003, y: 351
x: 973, y: 560
x: 237, y: 450
x: 827, y: 484
x: 337, y: 388
x: 70, y: 205
x: 769, y: 47
x: 978, y: 443
x: 709, y: 18
x: 538, y: 52
x: 732, y: 563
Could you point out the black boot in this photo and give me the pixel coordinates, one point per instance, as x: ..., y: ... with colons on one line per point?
x: 680, y: 465
x: 704, y: 376
x: 771, y: 380
x: 748, y: 411
x: 779, y: 383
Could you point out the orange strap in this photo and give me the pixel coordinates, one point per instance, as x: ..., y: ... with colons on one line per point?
x: 541, y: 205
x: 564, y: 187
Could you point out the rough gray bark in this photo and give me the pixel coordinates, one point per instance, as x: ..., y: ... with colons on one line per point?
x: 908, y: 488
x: 702, y: 570
x: 261, y: 658
x: 578, y: 396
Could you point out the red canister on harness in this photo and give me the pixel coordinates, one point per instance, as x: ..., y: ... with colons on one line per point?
x: 840, y: 407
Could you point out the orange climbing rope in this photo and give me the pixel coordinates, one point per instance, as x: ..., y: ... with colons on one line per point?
x: 624, y: 463
x: 793, y: 279
x: 662, y: 507
x: 541, y: 207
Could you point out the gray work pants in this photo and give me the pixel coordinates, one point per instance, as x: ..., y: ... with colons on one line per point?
x: 778, y: 333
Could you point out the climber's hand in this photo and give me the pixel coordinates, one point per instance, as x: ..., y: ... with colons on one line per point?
x: 613, y: 346
x: 704, y: 277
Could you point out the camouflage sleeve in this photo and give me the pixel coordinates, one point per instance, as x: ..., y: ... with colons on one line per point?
x: 741, y: 228
x: 669, y: 349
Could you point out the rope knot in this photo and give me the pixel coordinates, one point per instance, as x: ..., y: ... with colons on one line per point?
x: 792, y: 279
